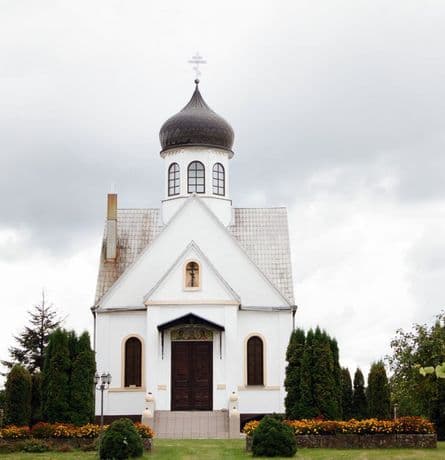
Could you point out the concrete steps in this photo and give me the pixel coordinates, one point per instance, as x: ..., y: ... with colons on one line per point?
x: 191, y: 424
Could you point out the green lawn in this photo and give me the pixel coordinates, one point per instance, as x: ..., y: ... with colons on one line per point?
x: 234, y: 449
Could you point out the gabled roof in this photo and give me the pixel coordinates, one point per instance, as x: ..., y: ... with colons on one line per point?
x: 261, y: 232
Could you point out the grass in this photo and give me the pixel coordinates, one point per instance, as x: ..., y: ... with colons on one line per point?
x: 165, y: 449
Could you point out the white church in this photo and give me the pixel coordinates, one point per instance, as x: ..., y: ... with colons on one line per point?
x: 194, y: 304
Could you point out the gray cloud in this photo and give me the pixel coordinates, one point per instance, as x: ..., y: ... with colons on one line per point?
x: 307, y: 87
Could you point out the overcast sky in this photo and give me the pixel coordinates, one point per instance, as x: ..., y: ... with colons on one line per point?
x: 338, y: 110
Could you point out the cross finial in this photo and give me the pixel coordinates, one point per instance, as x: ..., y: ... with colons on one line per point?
x: 196, y: 60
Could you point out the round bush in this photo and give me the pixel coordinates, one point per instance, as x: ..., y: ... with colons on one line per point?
x: 273, y: 439
x: 121, y: 441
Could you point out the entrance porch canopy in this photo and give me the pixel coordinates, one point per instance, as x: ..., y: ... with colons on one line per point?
x: 190, y: 320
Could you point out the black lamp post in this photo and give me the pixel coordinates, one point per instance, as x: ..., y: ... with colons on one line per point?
x: 102, y: 382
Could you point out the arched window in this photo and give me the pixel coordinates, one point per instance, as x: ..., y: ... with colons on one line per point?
x: 196, y: 178
x: 173, y: 179
x: 192, y: 275
x: 133, y: 362
x: 219, y: 186
x: 255, y: 355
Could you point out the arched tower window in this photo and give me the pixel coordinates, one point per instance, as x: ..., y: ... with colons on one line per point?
x: 255, y: 356
x: 192, y: 275
x: 196, y: 178
x: 173, y: 179
x: 133, y: 362
x: 219, y: 186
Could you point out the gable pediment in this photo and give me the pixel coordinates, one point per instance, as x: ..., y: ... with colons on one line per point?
x: 228, y: 261
x: 172, y: 287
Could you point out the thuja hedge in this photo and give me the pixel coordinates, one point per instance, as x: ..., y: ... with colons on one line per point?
x: 402, y: 425
x: 44, y: 430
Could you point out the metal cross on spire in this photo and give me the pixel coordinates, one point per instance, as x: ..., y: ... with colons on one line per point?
x: 196, y: 60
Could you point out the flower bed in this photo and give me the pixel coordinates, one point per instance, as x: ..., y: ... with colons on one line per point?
x: 58, y: 435
x: 370, y: 433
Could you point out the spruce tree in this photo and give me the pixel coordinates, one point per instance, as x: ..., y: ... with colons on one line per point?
x: 18, y: 396
x: 294, y: 357
x: 34, y: 338
x: 378, y: 392
x: 82, y: 377
x: 305, y: 407
x: 359, y: 401
x: 56, y: 378
x: 346, y: 391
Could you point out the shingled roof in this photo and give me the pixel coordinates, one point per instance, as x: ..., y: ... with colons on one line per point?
x: 261, y: 232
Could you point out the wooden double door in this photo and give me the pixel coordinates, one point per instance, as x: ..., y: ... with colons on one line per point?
x: 192, y: 375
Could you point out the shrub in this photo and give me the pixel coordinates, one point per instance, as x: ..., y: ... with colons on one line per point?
x: 18, y: 396
x: 35, y: 446
x: 403, y: 425
x: 250, y: 427
x: 14, y: 432
x: 121, y: 441
x: 64, y: 430
x: 144, y: 430
x: 42, y: 430
x: 89, y: 431
x: 273, y: 438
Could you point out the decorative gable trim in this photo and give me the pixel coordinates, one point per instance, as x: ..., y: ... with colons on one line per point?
x: 149, y: 248
x: 192, y: 246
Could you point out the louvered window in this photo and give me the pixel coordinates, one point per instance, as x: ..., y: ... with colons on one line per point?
x: 255, y: 356
x: 133, y: 362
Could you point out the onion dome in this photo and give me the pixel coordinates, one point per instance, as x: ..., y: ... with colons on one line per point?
x: 196, y: 125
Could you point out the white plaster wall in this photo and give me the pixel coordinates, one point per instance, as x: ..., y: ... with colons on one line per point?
x: 159, y: 369
x: 194, y: 222
x: 220, y: 205
x: 172, y: 287
x: 228, y: 366
x: 111, y: 330
x: 275, y: 329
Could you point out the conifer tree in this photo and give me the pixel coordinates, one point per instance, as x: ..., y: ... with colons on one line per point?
x: 346, y: 391
x: 294, y: 357
x: 36, y: 397
x: 359, y: 401
x: 18, y: 396
x: 325, y: 398
x: 2, y: 407
x: 305, y: 407
x: 378, y: 392
x: 34, y: 338
x: 56, y: 378
x: 337, y: 378
x: 82, y: 377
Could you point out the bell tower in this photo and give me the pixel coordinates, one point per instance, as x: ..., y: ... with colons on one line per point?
x: 196, y: 148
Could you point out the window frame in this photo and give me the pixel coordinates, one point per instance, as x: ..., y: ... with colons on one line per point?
x: 193, y: 188
x: 259, y: 377
x: 126, y: 371
x: 174, y: 180
x: 219, y: 182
